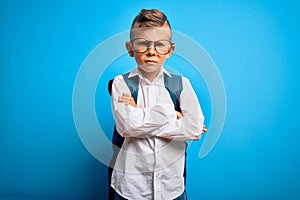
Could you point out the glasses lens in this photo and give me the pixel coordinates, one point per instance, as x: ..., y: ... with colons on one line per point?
x: 140, y: 45
x: 163, y: 46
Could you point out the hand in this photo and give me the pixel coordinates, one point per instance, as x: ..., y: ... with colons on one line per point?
x: 127, y: 99
x: 179, y: 115
x: 204, y: 129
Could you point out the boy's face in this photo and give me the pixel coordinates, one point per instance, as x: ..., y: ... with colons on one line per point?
x: 156, y: 46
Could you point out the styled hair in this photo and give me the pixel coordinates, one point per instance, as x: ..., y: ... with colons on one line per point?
x: 150, y: 18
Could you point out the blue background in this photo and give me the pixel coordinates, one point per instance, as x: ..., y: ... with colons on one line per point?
x: 255, y: 45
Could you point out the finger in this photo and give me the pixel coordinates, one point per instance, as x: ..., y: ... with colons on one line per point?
x: 179, y: 115
x: 126, y: 95
x: 131, y: 99
x: 124, y: 98
x: 204, y: 130
x: 121, y: 99
x: 127, y: 98
x: 132, y: 103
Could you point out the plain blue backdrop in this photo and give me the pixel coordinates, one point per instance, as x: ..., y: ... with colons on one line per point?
x: 255, y: 45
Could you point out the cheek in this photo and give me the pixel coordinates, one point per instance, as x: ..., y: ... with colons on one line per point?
x: 162, y: 59
x: 138, y: 59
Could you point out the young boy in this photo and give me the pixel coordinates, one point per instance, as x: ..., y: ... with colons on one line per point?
x: 151, y: 162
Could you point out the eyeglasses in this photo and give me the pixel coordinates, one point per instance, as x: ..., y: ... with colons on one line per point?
x: 162, y: 47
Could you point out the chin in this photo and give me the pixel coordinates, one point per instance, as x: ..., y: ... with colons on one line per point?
x: 149, y: 68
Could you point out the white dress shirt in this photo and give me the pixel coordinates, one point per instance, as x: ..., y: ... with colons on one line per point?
x: 150, y: 164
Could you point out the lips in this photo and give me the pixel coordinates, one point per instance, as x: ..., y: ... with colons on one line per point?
x: 150, y: 61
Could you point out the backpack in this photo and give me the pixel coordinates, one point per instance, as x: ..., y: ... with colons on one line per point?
x: 173, y: 85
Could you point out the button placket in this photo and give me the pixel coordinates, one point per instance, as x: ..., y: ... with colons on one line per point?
x: 157, y: 189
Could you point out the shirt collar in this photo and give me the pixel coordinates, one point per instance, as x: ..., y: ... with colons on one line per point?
x: 135, y: 72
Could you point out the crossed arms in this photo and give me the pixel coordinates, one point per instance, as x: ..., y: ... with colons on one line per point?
x: 128, y: 100
x: 160, y: 120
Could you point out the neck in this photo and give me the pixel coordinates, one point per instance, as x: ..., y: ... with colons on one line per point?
x: 150, y: 76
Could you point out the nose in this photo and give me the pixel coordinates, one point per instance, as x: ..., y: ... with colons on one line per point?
x: 151, y: 49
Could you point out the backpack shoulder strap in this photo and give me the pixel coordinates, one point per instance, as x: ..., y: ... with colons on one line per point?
x: 109, y: 86
x: 133, y: 84
x: 174, y: 86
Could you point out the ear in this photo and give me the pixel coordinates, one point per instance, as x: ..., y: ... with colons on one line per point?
x: 129, y: 49
x: 171, y: 52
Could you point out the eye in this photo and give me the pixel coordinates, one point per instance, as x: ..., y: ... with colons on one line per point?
x: 161, y: 43
x: 143, y: 43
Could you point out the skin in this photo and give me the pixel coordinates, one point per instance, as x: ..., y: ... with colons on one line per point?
x: 150, y: 62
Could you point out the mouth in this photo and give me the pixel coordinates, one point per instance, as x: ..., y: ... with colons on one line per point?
x: 150, y: 61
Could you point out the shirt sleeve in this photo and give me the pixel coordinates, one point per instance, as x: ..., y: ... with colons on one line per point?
x: 189, y: 127
x: 137, y: 122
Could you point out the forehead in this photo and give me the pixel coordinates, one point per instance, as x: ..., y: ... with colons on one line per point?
x: 151, y: 33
